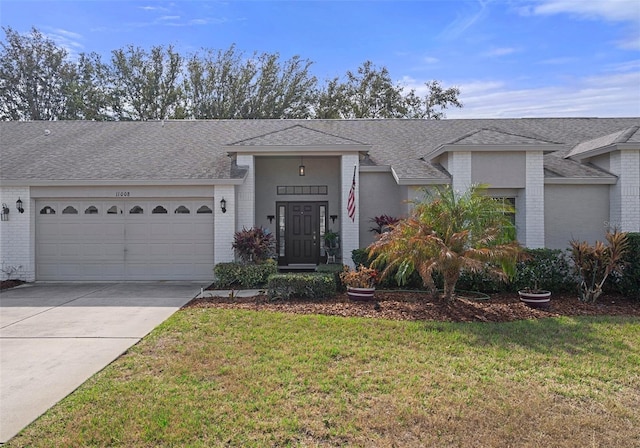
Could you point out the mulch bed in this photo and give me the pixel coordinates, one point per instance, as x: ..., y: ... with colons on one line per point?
x: 7, y: 284
x: 416, y: 306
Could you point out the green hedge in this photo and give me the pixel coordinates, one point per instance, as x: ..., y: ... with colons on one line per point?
x: 243, y: 275
x: 629, y: 282
x: 303, y: 286
x: 551, y: 268
x: 335, y: 270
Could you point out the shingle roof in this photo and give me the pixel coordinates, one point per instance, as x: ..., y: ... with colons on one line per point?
x: 197, y: 150
x: 590, y: 146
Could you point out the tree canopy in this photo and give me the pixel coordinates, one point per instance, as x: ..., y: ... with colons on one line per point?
x: 40, y: 81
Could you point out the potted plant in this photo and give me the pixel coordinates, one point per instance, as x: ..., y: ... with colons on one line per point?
x: 360, y: 282
x: 533, y: 269
x: 331, y: 244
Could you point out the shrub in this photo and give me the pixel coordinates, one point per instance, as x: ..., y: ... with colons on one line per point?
x: 628, y: 281
x: 304, y: 286
x: 362, y: 277
x: 549, y: 269
x: 595, y: 263
x: 335, y: 270
x: 243, y: 275
x: 254, y: 245
x: 360, y: 257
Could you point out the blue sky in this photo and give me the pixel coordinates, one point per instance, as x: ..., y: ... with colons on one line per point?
x: 510, y: 58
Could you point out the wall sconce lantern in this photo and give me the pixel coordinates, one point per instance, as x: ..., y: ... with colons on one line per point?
x: 270, y: 218
x: 333, y: 218
x: 4, y: 213
x: 223, y: 205
x: 19, y: 206
x: 301, y: 169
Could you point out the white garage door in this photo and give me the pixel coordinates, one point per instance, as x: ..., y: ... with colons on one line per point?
x: 124, y: 240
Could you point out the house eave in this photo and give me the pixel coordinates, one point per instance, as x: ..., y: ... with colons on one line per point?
x: 604, y: 150
x: 580, y: 180
x: 311, y: 150
x: 114, y: 182
x: 546, y: 149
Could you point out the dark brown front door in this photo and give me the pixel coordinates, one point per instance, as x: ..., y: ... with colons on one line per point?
x: 302, y: 238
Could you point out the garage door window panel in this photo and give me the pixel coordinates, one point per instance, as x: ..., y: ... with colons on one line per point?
x: 47, y: 210
x: 91, y: 210
x: 159, y: 210
x: 204, y: 210
x: 182, y: 210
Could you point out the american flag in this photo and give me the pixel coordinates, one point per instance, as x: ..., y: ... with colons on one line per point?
x: 351, y: 202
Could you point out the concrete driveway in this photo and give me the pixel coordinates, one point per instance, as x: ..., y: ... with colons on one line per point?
x: 54, y: 336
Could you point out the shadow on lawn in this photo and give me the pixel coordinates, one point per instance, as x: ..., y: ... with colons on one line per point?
x: 553, y: 336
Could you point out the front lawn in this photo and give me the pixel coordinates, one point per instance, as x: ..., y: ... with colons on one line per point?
x: 229, y: 377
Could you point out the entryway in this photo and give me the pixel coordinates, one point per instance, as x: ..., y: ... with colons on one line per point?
x: 300, y: 233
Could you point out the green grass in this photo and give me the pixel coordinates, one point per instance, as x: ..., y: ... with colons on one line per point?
x: 210, y: 377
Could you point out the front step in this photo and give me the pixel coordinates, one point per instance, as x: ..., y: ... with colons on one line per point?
x: 298, y: 267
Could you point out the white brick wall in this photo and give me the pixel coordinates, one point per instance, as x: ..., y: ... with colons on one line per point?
x: 534, y: 200
x: 460, y: 169
x: 630, y: 191
x: 349, y: 236
x: 17, y: 237
x: 224, y: 224
x: 246, y: 194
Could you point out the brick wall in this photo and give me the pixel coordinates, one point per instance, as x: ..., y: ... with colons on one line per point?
x: 460, y: 169
x: 224, y: 224
x: 17, y: 237
x: 246, y: 194
x: 349, y: 235
x: 534, y: 200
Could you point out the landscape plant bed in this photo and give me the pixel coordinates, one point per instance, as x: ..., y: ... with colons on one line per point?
x: 415, y: 306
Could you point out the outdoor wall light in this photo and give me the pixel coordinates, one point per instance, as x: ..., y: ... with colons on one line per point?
x: 19, y: 205
x: 223, y: 205
x: 301, y: 169
x: 4, y: 213
x: 270, y: 218
x: 333, y: 218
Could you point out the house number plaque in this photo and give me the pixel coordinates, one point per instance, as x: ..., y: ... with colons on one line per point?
x: 123, y: 194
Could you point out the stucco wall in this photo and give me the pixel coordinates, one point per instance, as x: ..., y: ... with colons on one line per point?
x: 575, y: 211
x: 499, y: 169
x: 274, y: 171
x: 379, y: 195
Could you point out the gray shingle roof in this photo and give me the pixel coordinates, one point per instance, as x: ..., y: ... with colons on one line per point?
x: 622, y: 136
x: 196, y: 150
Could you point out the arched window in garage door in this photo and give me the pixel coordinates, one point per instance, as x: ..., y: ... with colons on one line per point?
x: 136, y: 210
x: 69, y: 210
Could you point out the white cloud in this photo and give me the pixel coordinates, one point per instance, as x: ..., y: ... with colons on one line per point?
x: 431, y: 60
x: 464, y: 21
x: 611, y: 10
x: 497, y: 52
x: 624, y: 11
x: 614, y: 95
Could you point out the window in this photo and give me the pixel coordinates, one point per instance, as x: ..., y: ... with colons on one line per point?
x: 91, y: 210
x: 136, y: 210
x: 69, y: 211
x: 158, y: 210
x: 113, y: 210
x: 47, y: 211
x: 302, y: 189
x: 510, y: 211
x: 183, y: 210
x: 281, y: 230
x: 204, y: 209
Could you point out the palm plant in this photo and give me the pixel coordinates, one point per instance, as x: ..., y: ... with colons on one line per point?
x: 446, y: 233
x: 594, y: 264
